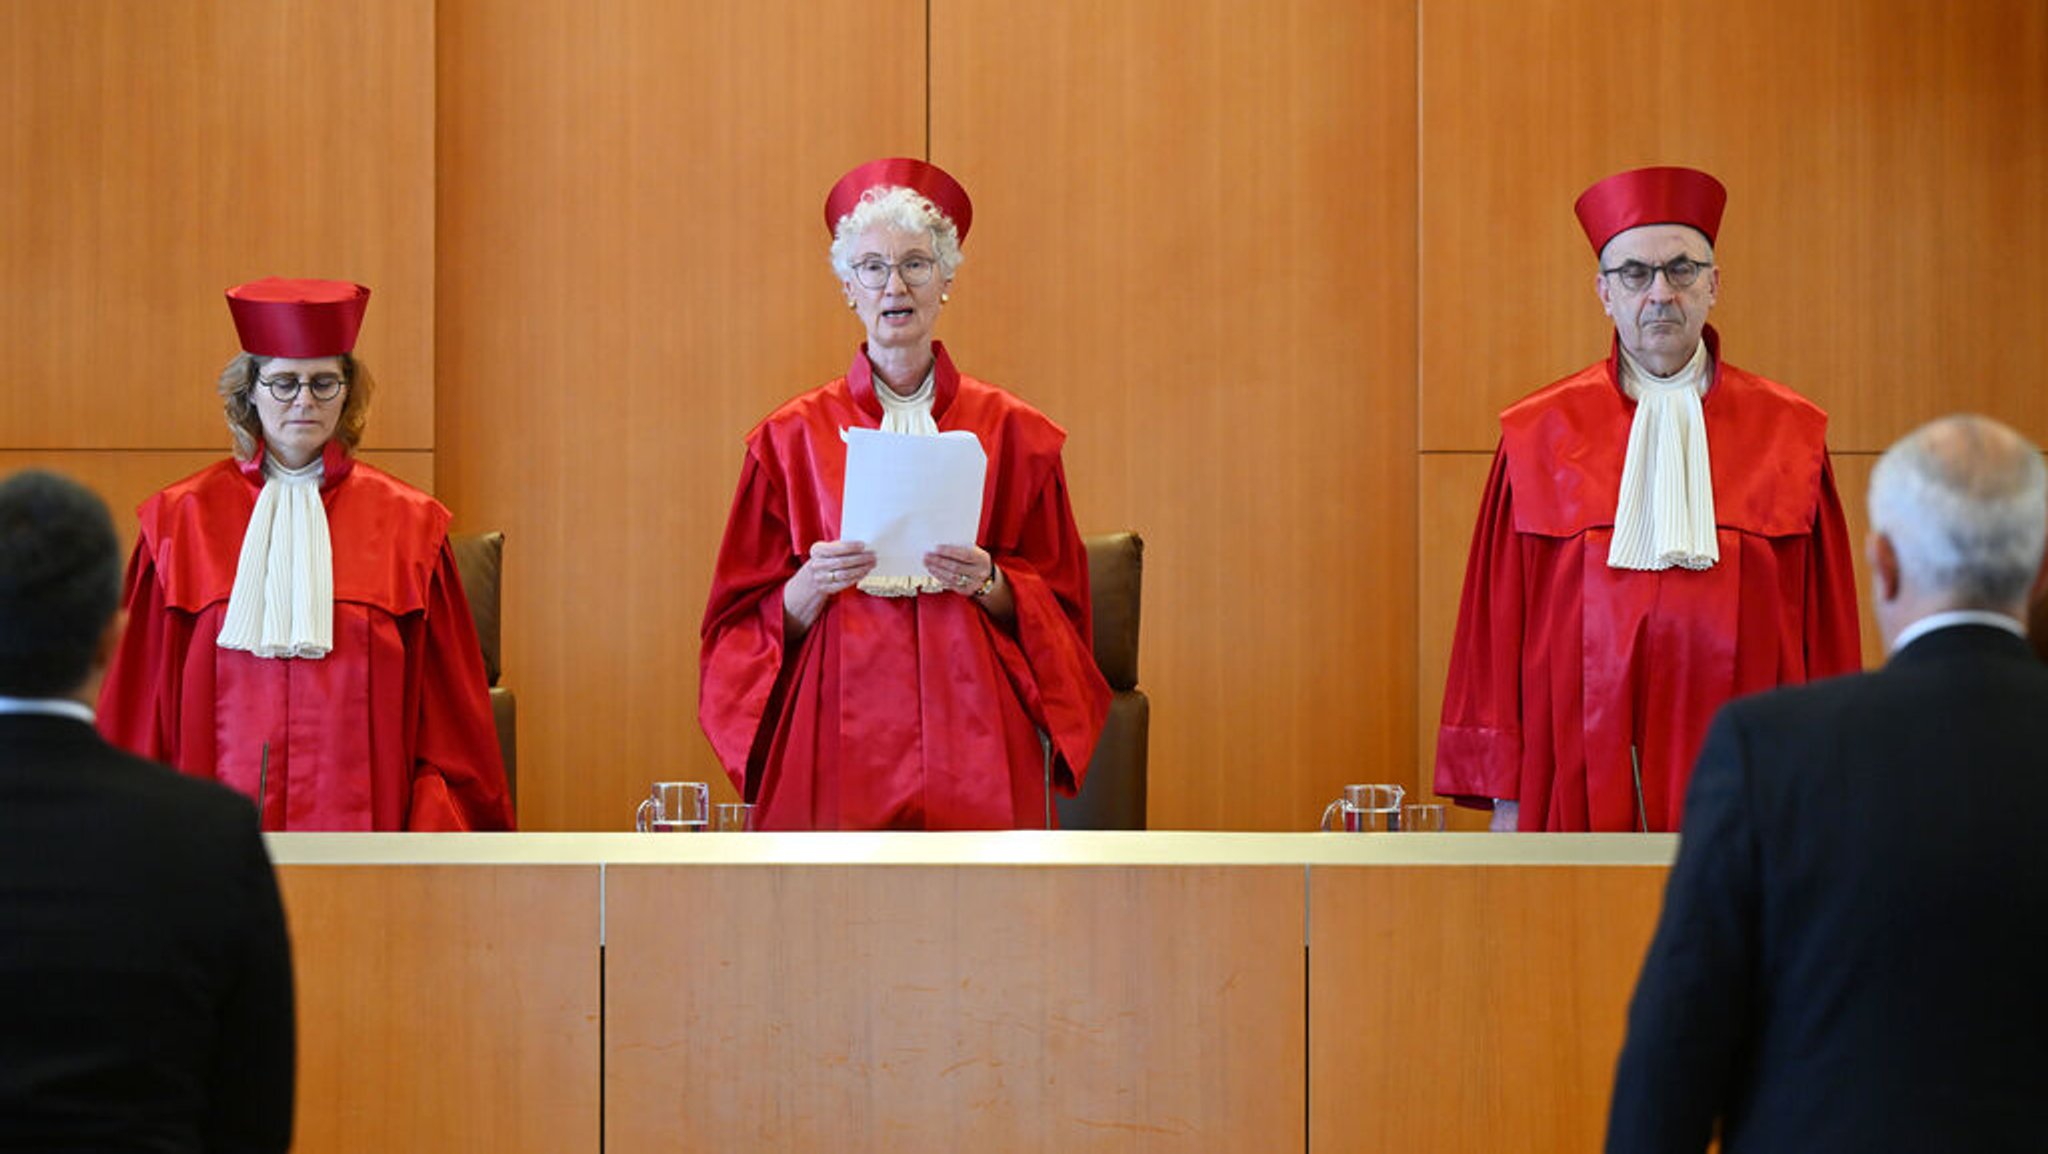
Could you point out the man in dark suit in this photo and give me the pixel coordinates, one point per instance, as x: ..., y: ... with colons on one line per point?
x: 1847, y: 957
x: 145, y: 976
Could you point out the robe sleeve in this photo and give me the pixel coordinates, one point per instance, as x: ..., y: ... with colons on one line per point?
x: 1053, y: 657
x: 740, y: 663
x: 1479, y: 743
x: 1834, y: 638
x: 458, y: 780
x: 138, y: 708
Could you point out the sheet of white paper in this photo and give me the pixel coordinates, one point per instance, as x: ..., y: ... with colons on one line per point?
x: 905, y: 494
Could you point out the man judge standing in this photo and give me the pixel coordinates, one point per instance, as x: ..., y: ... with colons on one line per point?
x: 1660, y: 533
x: 1846, y: 960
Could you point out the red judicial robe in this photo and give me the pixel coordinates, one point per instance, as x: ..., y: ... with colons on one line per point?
x: 390, y: 731
x: 901, y: 712
x: 1561, y: 665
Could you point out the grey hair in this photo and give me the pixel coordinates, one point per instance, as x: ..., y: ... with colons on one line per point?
x: 1964, y: 500
x: 891, y: 206
x: 1600, y: 258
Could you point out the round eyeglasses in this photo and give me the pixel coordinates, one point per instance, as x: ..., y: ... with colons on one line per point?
x: 285, y: 388
x: 873, y: 272
x: 1635, y: 276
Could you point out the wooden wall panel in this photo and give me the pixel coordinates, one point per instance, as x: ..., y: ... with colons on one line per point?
x: 446, y: 1007
x: 634, y: 274
x: 159, y: 152
x: 942, y: 1008
x: 1506, y: 990
x: 1852, y: 478
x: 1194, y: 247
x: 1884, y: 174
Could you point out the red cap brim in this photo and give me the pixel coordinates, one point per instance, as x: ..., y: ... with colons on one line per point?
x: 927, y: 180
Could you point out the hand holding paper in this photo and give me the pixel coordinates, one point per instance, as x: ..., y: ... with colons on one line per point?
x: 905, y: 495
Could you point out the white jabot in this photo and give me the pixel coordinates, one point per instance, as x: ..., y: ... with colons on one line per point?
x: 282, y: 604
x: 1665, y: 516
x: 55, y: 706
x: 912, y: 416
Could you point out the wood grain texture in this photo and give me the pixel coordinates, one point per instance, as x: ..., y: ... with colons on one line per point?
x: 446, y: 1007
x: 1470, y: 1008
x: 630, y: 216
x: 914, y: 1008
x: 1883, y: 170
x: 1852, y: 479
x: 158, y: 153
x: 1194, y: 247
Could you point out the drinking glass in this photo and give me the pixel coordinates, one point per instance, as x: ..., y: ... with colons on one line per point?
x: 674, y: 807
x: 1365, y: 809
x: 1427, y: 817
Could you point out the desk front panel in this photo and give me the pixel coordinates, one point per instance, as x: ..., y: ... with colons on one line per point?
x: 954, y: 1007
x: 445, y: 1007
x: 1470, y: 1008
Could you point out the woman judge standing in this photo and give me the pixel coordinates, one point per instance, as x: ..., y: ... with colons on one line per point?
x: 296, y: 626
x: 951, y: 699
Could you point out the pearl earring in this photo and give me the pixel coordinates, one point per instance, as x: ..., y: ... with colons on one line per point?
x: 850, y: 304
x: 944, y: 297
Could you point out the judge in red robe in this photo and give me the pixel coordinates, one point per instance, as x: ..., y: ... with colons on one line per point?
x: 296, y: 625
x: 837, y: 697
x: 1660, y: 533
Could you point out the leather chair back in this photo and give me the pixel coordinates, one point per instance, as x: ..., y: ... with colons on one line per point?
x: 480, y: 559
x: 1113, y: 791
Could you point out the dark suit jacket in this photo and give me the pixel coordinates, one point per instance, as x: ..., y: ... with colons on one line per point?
x: 145, y: 978
x: 1849, y: 954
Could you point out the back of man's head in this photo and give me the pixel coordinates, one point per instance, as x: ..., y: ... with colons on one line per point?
x: 1964, y: 501
x: 60, y: 583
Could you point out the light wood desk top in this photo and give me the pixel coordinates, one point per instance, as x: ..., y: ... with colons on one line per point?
x: 1007, y: 848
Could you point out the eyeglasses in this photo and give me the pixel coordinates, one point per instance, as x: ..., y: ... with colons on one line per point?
x: 1635, y: 276
x: 873, y: 272
x: 285, y: 389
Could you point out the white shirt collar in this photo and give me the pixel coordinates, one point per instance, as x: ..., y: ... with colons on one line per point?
x: 912, y: 414
x: 1696, y: 374
x: 1934, y: 621
x: 58, y: 706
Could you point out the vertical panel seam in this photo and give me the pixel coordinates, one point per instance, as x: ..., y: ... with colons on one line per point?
x: 929, y: 159
x: 1423, y: 773
x: 1308, y: 1018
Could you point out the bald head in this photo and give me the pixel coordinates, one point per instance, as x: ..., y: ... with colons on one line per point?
x: 1958, y: 518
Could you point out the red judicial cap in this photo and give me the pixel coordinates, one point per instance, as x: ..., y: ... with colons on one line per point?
x: 289, y: 317
x: 1643, y: 196
x: 927, y: 180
